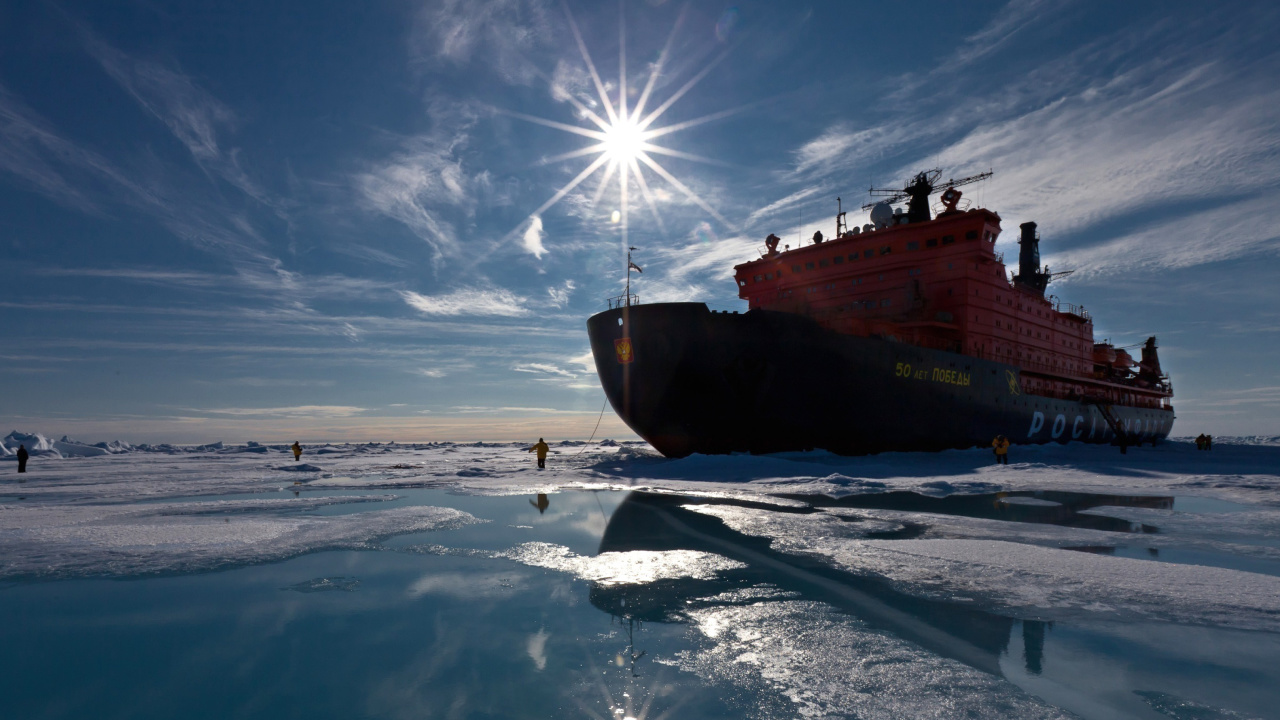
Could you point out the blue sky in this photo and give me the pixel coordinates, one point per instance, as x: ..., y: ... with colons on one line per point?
x: 325, y: 220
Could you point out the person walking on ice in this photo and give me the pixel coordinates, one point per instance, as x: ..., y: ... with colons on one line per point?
x: 541, y: 449
x: 22, y: 458
x: 1001, y: 446
x: 297, y: 451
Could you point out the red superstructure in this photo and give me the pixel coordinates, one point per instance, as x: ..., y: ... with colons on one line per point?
x: 939, y: 283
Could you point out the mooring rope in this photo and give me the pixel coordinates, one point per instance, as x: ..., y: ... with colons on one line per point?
x: 597, y: 427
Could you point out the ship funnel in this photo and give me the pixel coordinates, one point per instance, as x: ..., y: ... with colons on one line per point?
x: 1029, y: 273
x: 1029, y: 250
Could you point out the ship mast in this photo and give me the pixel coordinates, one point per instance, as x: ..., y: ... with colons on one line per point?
x: 630, y: 265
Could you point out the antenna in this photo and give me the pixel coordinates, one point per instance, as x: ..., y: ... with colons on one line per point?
x: 841, y: 225
x: 922, y: 185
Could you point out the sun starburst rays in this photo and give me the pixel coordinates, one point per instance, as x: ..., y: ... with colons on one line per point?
x: 623, y: 137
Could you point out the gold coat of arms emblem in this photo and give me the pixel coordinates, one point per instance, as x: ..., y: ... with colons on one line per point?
x: 622, y: 346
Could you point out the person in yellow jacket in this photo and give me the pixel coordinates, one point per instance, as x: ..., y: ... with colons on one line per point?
x: 542, y: 449
x: 1001, y: 445
x: 297, y: 451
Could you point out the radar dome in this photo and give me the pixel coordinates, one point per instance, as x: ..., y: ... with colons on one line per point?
x: 882, y: 214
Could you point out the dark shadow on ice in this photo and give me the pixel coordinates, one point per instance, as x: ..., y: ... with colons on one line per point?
x: 646, y: 521
x: 1038, y: 506
x: 1228, y: 465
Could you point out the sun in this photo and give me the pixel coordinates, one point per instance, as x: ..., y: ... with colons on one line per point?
x: 623, y: 139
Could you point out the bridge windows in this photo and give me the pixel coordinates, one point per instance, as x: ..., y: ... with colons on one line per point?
x: 853, y: 257
x: 837, y: 260
x: 948, y: 239
x: 869, y: 252
x: 808, y: 266
x: 931, y: 242
x: 823, y: 263
x: 795, y: 269
x: 886, y: 250
x: 971, y: 235
x: 913, y: 244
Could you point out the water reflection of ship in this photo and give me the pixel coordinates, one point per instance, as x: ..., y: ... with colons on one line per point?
x: 1052, y: 507
x: 646, y: 521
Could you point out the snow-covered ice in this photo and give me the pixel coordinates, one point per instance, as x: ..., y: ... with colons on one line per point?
x: 1078, y: 538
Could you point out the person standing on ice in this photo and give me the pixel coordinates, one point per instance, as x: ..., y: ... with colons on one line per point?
x: 22, y: 458
x: 297, y: 451
x: 1001, y: 445
x: 542, y: 450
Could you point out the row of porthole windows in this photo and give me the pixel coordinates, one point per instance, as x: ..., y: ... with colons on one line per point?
x: 871, y: 252
x: 865, y: 305
x: 797, y: 269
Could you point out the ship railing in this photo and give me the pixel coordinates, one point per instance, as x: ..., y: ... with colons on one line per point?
x: 623, y: 301
x: 1070, y: 309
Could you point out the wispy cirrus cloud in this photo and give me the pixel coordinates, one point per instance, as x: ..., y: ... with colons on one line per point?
x: 1100, y: 139
x: 420, y: 184
x: 192, y: 114
x: 497, y: 32
x: 1237, y: 229
x: 468, y: 301
x: 789, y: 202
x: 297, y: 411
x: 478, y: 409
x: 544, y: 369
x: 560, y: 295
x: 34, y: 152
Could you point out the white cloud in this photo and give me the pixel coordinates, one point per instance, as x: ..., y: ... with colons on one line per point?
x: 586, y: 361
x: 417, y: 185
x: 560, y: 295
x: 711, y: 260
x: 841, y: 146
x: 533, y: 238
x: 190, y: 113
x: 1224, y: 233
x: 297, y: 411
x: 31, y: 150
x: 468, y: 301
x: 497, y: 32
x: 536, y: 646
x: 1143, y: 138
x: 478, y: 409
x: 543, y: 368
x: 786, y: 203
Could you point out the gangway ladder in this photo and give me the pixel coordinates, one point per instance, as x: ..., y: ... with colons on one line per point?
x: 1104, y: 408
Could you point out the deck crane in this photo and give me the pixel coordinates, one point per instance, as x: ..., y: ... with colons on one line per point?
x: 917, y: 193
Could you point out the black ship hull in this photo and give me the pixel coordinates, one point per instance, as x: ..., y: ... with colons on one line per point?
x: 689, y: 380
